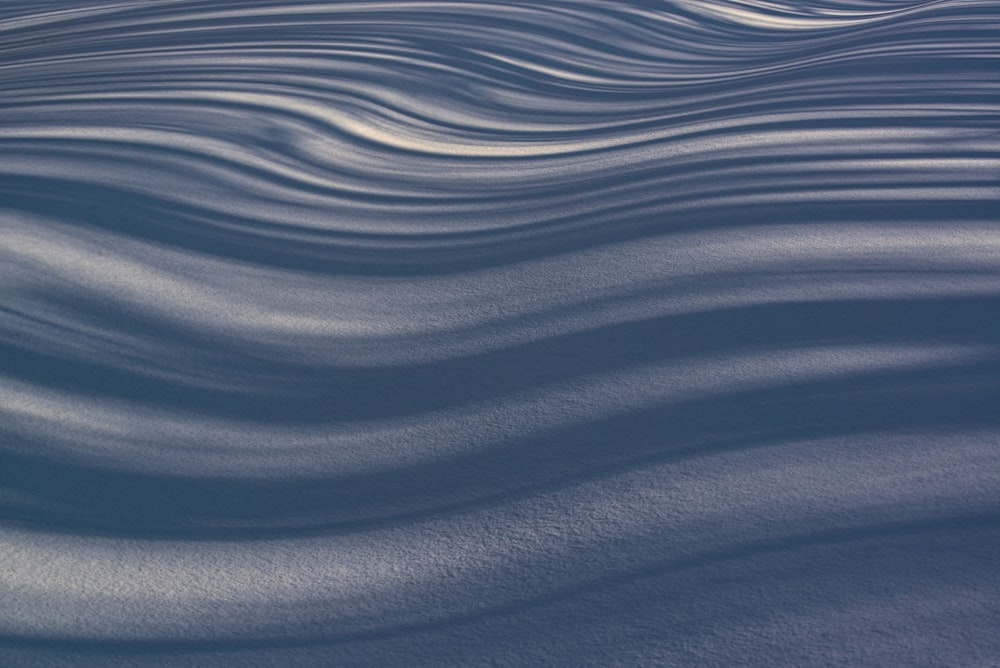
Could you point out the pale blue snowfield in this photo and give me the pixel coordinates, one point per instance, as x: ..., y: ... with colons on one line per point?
x: 458, y: 333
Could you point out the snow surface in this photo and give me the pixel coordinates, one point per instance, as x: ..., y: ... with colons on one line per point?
x: 457, y: 333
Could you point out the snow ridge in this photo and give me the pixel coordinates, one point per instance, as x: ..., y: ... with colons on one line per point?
x: 463, y: 332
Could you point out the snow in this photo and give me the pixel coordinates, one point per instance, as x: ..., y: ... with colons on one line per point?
x: 477, y: 333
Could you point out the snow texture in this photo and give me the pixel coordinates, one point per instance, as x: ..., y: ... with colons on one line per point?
x: 466, y: 332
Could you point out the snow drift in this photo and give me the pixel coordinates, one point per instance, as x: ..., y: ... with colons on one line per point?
x: 459, y: 333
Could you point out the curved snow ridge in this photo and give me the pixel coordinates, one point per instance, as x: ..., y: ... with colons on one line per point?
x: 128, y: 437
x: 620, y: 530
x: 451, y: 332
x: 420, y: 134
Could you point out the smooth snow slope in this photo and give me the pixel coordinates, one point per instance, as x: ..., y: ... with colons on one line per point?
x: 455, y: 333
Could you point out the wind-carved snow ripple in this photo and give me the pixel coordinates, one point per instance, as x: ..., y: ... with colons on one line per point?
x: 556, y: 332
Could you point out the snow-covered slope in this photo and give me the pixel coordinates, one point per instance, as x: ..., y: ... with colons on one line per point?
x: 592, y: 332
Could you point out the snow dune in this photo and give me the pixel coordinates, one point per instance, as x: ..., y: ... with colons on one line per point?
x: 469, y: 333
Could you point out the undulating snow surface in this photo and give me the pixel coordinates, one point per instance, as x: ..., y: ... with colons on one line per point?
x: 454, y: 333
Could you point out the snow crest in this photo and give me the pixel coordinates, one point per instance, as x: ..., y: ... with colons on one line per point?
x: 461, y: 332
